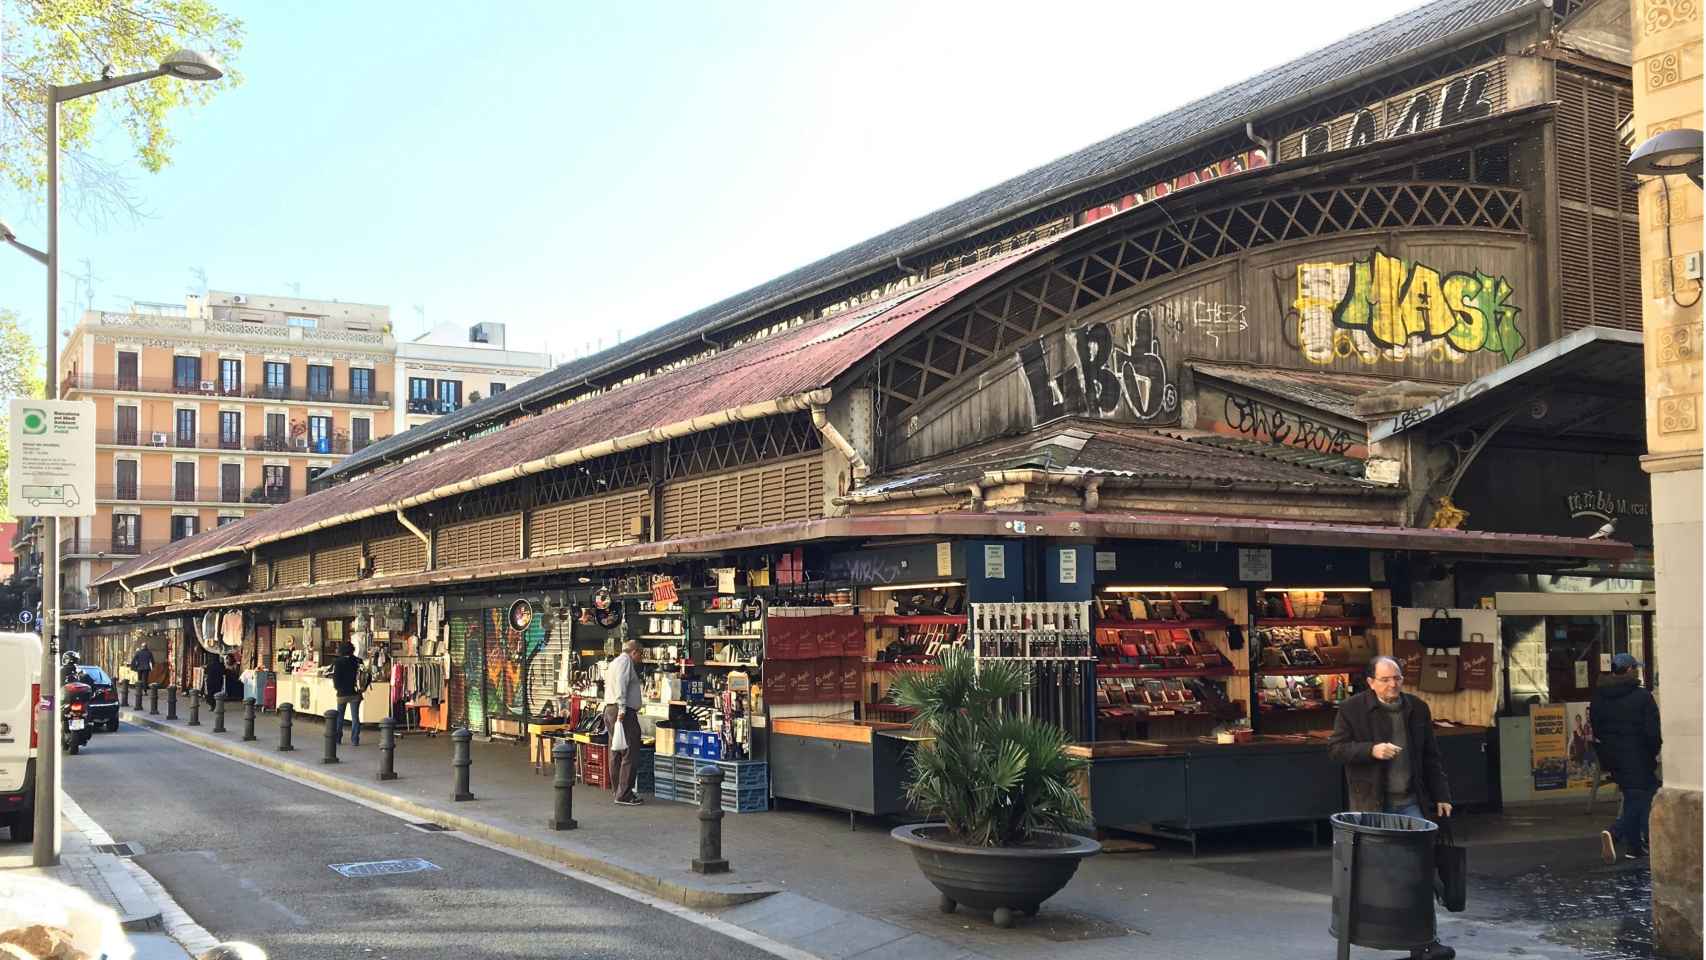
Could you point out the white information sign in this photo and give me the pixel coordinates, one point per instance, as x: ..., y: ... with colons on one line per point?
x: 1255, y: 564
x: 52, y: 471
x: 1069, y: 565
x: 1106, y: 561
x: 994, y: 561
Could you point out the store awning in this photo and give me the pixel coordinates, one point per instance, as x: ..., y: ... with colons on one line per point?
x: 1590, y: 381
x: 1109, y: 525
x: 207, y: 571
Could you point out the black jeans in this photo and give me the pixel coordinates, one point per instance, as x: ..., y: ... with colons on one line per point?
x: 1631, y: 825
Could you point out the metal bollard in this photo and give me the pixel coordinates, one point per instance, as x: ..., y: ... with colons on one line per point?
x: 286, y: 716
x: 710, y: 858
x: 331, y: 752
x: 219, y: 712
x: 124, y: 693
x: 195, y: 709
x: 460, y: 761
x: 563, y: 781
x: 248, y: 718
x: 387, y: 749
x: 171, y: 702
x: 140, y: 689
x: 154, y: 700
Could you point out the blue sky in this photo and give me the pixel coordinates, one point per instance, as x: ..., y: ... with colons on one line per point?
x: 579, y: 169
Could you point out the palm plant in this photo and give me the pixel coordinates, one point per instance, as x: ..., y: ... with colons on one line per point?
x: 996, y: 779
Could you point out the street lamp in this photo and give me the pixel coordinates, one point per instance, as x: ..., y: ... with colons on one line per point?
x: 182, y: 65
x: 1673, y: 151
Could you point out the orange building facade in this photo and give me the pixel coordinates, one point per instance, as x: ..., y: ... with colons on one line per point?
x: 212, y: 411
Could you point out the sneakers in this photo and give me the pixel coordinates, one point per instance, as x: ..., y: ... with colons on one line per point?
x: 627, y: 801
x: 1607, y: 846
x: 1433, y: 951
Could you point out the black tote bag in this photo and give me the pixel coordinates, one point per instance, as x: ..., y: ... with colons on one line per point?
x: 1451, y: 863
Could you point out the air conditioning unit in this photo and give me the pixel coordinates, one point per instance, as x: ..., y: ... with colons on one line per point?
x: 239, y: 298
x: 160, y: 439
x: 207, y: 386
x: 301, y: 443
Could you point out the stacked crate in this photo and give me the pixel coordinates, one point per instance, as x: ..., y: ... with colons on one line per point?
x: 746, y: 783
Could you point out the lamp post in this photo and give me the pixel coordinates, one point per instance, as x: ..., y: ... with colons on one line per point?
x: 182, y: 65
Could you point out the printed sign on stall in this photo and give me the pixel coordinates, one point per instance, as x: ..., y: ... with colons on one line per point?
x: 1069, y: 565
x: 1583, y: 762
x: 1551, y: 751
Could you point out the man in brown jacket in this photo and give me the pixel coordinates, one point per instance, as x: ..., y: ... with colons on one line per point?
x: 1385, y: 739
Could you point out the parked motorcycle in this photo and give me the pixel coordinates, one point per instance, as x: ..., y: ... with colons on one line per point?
x: 75, y: 730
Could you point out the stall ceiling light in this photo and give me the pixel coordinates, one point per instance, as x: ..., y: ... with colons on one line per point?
x: 1165, y: 589
x: 892, y: 587
x: 1319, y: 590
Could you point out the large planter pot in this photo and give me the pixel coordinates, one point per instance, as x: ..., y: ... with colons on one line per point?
x: 1004, y: 880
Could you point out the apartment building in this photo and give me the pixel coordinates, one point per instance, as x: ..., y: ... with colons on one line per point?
x: 214, y: 409
x: 448, y: 367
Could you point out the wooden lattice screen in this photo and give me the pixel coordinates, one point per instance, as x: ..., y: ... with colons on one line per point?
x: 474, y: 542
x: 757, y: 496
x: 403, y: 553
x: 259, y: 571
x: 986, y: 332
x: 292, y: 570
x: 337, y: 564
x: 587, y: 524
x: 1599, y: 233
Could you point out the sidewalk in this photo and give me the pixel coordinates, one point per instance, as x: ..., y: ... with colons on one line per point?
x: 105, y: 878
x: 802, y: 876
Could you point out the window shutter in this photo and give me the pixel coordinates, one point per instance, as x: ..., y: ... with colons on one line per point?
x: 1598, y: 229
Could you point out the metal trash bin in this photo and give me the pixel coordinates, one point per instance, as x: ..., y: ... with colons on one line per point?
x: 1383, y: 881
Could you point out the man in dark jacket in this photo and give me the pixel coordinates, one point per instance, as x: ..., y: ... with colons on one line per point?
x: 1625, y: 722
x: 1385, y: 739
x: 346, y: 674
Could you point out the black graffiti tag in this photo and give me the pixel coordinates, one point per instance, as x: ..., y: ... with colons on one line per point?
x: 1104, y: 377
x: 1273, y: 425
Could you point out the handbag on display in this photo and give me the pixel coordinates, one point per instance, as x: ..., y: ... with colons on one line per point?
x: 1439, y: 672
x: 1451, y: 866
x: 1441, y: 630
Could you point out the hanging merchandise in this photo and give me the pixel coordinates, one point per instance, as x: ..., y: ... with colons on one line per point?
x: 1442, y: 630
x: 1052, y: 641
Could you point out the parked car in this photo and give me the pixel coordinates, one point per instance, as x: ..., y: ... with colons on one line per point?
x: 103, y: 701
x: 20, y: 690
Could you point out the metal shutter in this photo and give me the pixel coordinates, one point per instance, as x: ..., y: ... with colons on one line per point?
x: 586, y: 524
x: 779, y: 492
x: 337, y: 565
x: 403, y: 553
x: 475, y: 542
x: 292, y: 570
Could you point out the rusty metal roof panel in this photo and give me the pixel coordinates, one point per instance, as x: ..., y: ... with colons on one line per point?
x: 1332, y: 463
x: 1334, y: 393
x: 784, y: 365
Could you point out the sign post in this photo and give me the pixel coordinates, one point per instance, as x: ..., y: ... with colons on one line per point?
x: 51, y: 474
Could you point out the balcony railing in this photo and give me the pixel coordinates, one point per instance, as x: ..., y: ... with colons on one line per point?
x: 260, y: 443
x: 173, y: 493
x: 216, y: 388
x: 267, y: 495
x: 170, y: 439
x: 106, y: 546
x: 433, y: 406
x: 272, y: 443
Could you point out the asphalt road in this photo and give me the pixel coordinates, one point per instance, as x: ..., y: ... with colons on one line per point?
x: 248, y: 855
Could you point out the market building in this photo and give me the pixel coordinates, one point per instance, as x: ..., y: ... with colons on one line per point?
x: 1195, y: 421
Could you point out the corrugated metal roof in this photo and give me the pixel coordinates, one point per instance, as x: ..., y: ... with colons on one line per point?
x: 1334, y: 393
x: 1115, y: 450
x: 788, y: 364
x: 1127, y: 152
x: 1325, y: 462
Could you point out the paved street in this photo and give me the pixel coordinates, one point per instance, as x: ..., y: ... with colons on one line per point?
x: 247, y: 854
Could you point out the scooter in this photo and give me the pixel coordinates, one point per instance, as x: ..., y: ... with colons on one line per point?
x: 74, y: 729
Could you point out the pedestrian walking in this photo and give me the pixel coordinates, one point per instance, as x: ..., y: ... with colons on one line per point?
x: 1385, y: 739
x: 1624, y: 718
x: 622, y: 697
x: 346, y: 683
x: 213, y: 677
x: 142, y: 664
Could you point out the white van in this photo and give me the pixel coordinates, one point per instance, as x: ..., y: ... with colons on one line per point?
x: 20, y: 689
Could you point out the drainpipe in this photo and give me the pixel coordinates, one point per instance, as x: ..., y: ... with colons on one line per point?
x: 1266, y: 144
x: 820, y: 420
x: 420, y: 534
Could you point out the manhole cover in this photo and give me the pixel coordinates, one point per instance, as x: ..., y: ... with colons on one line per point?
x: 431, y: 827
x: 383, y: 868
x: 117, y: 849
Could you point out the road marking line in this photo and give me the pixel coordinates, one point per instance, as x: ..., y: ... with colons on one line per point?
x: 727, y: 929
x: 179, y: 925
